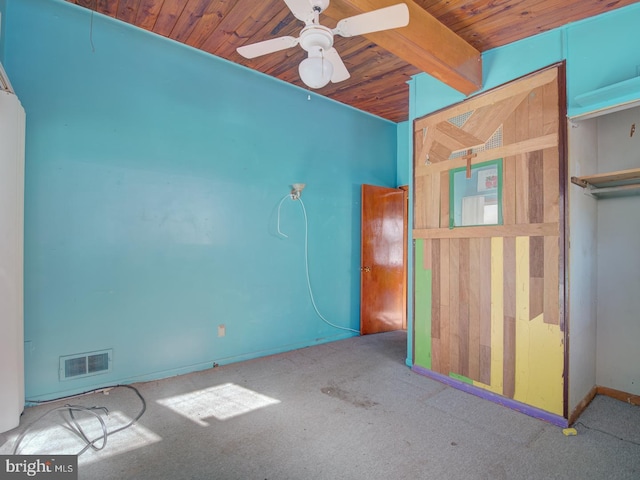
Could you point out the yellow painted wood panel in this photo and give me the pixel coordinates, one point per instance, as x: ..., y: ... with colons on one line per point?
x: 539, y: 346
x: 552, y: 293
x: 546, y: 365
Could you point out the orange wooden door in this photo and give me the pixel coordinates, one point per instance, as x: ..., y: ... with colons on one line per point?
x: 382, y: 272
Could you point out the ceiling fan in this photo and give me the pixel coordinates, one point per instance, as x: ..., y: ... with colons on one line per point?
x: 323, y: 63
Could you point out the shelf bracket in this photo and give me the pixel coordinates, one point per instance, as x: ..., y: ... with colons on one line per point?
x: 578, y: 181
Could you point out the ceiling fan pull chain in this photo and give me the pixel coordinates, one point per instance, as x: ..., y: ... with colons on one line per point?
x: 316, y: 15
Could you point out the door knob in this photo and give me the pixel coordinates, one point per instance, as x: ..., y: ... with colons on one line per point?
x: 365, y: 269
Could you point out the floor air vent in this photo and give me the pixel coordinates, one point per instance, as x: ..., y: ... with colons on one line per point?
x: 85, y: 364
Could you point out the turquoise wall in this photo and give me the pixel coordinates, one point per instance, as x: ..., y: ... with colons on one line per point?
x: 499, y: 66
x: 601, y: 52
x: 3, y: 8
x: 153, y: 176
x: 404, y: 154
x: 598, y: 51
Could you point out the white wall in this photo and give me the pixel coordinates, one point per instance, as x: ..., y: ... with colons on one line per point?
x: 12, y: 124
x: 618, y: 230
x: 583, y: 148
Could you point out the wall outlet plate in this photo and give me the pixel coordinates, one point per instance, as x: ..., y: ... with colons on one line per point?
x: 222, y: 330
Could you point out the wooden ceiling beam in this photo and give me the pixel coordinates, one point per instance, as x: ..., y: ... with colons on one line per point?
x: 425, y: 43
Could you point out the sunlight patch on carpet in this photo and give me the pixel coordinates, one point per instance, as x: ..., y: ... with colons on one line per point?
x: 221, y: 402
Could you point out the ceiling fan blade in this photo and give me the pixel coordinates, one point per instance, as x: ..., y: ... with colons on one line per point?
x: 268, y: 46
x: 386, y: 18
x: 301, y: 9
x: 340, y: 72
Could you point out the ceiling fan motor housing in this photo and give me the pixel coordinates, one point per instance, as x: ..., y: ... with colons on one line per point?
x: 314, y: 37
x: 323, y: 63
x: 320, y: 5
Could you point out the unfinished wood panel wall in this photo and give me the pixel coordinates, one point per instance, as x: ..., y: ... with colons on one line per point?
x: 489, y: 298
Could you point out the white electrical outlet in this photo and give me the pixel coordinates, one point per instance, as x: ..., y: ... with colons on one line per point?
x: 222, y: 330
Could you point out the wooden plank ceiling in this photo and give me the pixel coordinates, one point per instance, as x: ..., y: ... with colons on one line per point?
x: 443, y: 38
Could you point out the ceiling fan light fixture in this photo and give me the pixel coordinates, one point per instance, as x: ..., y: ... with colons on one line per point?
x: 315, y: 71
x: 324, y: 64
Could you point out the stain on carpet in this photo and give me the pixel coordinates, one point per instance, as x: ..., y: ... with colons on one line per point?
x: 339, y: 393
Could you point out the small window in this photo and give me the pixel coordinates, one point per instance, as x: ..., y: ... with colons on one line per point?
x: 476, y: 200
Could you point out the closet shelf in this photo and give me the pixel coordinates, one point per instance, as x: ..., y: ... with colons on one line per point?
x: 623, y: 182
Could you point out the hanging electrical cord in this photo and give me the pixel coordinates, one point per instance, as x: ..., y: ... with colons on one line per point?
x: 607, y: 433
x: 96, y: 444
x: 69, y: 409
x: 278, y: 223
x: 306, y: 259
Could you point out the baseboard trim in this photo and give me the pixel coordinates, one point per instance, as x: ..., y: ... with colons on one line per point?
x: 607, y: 392
x: 626, y: 397
x: 583, y: 404
x: 552, y: 418
x: 629, y: 398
